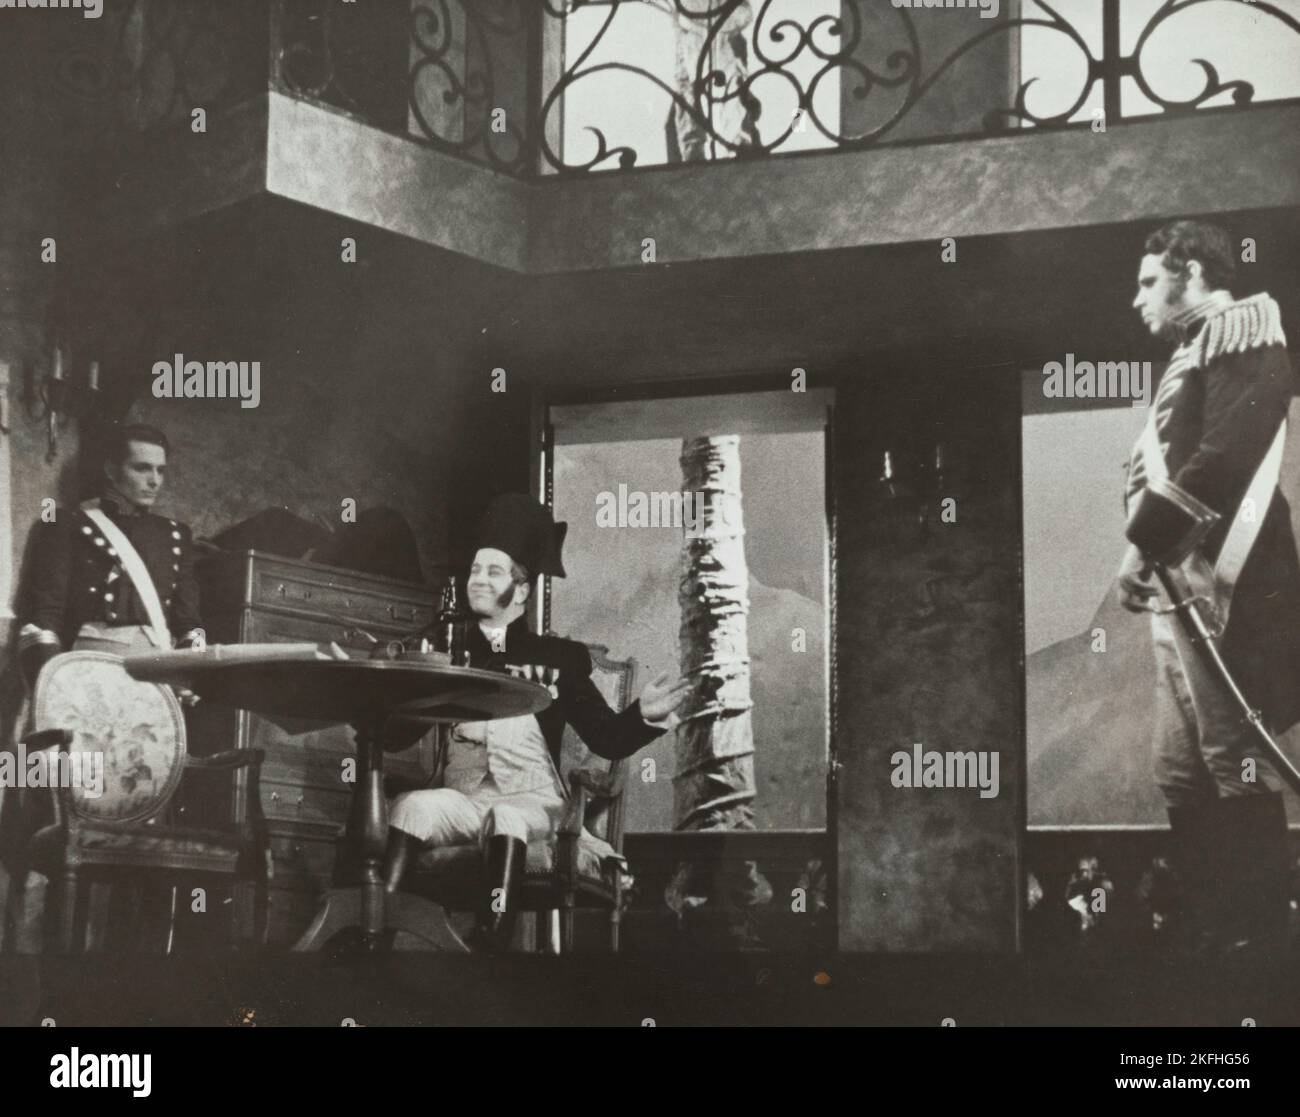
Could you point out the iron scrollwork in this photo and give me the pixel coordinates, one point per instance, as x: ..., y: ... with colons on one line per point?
x: 474, y: 86
x: 427, y: 69
x: 441, y: 70
x: 833, y: 45
x: 1243, y: 92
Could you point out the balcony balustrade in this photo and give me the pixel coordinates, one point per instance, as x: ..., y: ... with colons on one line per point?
x: 541, y: 87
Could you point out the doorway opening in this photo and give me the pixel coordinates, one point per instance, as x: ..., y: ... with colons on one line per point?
x: 639, y: 483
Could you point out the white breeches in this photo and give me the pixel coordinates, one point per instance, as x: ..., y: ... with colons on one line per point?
x: 443, y: 817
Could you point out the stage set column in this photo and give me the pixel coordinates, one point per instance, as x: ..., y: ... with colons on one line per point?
x: 929, y: 653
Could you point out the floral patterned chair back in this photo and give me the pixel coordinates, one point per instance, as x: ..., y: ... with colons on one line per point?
x: 127, y: 752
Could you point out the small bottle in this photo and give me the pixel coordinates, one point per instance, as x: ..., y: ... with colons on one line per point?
x: 450, y: 629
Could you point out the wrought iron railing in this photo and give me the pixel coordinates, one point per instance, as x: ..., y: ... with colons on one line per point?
x: 744, y: 44
x: 452, y: 73
x: 524, y: 85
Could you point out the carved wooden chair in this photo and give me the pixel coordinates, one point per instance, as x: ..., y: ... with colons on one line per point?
x: 86, y: 705
x: 562, y: 873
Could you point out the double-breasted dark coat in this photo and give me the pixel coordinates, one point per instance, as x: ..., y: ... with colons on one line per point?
x: 76, y: 575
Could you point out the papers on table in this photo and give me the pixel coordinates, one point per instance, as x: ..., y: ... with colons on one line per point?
x: 154, y: 665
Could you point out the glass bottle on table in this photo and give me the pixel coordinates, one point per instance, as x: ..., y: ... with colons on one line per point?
x: 449, y: 629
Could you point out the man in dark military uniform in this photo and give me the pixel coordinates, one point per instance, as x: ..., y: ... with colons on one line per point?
x: 501, y: 784
x: 81, y: 593
x: 1212, y: 449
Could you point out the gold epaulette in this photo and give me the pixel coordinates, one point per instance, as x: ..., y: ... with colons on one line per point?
x: 1245, y: 324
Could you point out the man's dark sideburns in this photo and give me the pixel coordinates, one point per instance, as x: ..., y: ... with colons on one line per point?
x: 1179, y: 286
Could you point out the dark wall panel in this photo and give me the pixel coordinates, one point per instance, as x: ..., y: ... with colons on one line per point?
x: 929, y: 651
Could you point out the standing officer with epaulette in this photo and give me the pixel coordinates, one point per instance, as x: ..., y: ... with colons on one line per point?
x: 1209, y: 461
x: 110, y: 575
x: 106, y: 576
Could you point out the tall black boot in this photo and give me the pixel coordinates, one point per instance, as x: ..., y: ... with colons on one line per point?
x: 504, y: 858
x: 1193, y: 833
x: 1256, y: 861
x: 402, y: 850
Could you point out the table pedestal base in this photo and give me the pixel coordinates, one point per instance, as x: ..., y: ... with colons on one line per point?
x: 371, y: 908
x: 404, y: 911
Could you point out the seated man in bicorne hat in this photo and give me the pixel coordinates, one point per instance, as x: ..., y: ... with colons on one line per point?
x: 501, y: 783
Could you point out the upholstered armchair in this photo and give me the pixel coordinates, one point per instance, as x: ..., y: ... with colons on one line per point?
x: 87, y: 706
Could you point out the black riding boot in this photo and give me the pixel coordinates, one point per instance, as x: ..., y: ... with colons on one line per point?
x: 1255, y: 859
x: 505, y: 872
x: 1193, y: 833
x: 402, y: 850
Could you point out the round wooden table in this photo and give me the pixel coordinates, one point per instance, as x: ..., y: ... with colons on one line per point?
x: 299, y: 682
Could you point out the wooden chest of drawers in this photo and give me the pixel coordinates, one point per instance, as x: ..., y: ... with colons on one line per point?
x: 250, y: 597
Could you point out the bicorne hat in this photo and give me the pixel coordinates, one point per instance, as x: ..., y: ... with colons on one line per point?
x: 524, y: 529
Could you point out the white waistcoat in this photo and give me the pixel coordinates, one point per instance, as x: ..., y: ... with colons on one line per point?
x: 511, y: 750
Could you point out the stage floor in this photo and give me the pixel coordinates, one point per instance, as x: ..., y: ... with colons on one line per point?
x: 670, y: 990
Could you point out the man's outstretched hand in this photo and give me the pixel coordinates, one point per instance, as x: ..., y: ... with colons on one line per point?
x: 661, y: 698
x: 1135, y: 587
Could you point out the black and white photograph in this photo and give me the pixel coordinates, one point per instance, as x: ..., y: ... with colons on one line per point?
x: 650, y: 513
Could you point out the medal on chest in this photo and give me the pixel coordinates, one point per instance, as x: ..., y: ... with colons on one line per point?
x: 549, y: 677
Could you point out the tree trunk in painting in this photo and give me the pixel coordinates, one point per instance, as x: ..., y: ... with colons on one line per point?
x: 711, y: 51
x: 713, y: 786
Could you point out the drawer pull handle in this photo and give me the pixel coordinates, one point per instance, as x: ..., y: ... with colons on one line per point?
x: 300, y: 800
x: 281, y: 590
x: 401, y: 614
x: 275, y: 797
